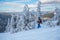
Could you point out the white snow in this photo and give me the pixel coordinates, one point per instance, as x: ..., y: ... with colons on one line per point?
x: 52, y: 33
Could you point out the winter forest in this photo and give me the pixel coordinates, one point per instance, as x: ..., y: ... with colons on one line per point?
x: 27, y: 20
x: 42, y: 25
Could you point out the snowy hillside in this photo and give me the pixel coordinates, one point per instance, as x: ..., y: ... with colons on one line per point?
x: 35, y: 34
x: 36, y: 24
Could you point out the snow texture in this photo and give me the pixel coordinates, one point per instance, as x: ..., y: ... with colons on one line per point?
x: 52, y: 33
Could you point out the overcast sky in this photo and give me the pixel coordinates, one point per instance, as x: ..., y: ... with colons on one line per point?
x: 17, y: 5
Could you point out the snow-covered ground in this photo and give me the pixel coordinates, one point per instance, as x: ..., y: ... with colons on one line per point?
x: 52, y: 33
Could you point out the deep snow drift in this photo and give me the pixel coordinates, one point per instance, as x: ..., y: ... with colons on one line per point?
x: 52, y: 33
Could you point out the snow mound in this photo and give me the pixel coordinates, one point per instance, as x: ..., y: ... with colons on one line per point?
x: 35, y: 34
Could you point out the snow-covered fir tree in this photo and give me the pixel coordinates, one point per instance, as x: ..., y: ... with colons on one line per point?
x: 58, y: 15
x: 26, y: 17
x: 39, y: 9
x: 20, y: 23
x: 13, y: 23
x: 8, y: 26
